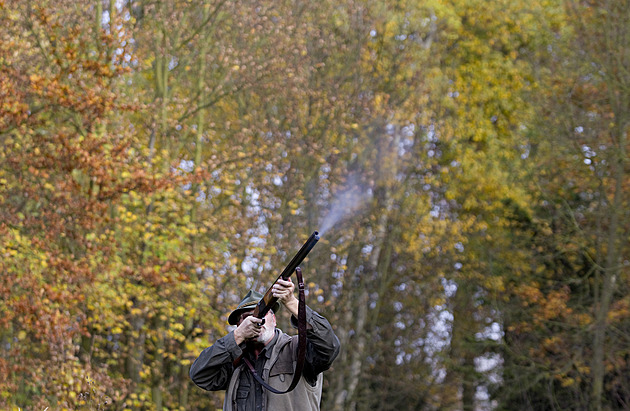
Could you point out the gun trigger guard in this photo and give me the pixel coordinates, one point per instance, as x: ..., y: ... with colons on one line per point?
x: 262, y: 322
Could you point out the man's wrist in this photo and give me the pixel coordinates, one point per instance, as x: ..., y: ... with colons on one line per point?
x: 232, y: 346
x: 292, y: 306
x: 238, y: 338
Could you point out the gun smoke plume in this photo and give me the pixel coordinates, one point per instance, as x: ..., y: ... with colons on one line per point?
x: 346, y: 202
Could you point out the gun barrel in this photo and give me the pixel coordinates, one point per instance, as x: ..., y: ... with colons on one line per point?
x: 268, y: 300
x: 300, y: 256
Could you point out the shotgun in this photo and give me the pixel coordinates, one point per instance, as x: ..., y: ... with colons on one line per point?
x: 267, y: 302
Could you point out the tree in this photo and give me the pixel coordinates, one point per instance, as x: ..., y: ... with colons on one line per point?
x: 65, y: 161
x: 575, y: 295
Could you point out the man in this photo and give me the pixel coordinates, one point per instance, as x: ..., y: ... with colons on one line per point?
x: 273, y: 354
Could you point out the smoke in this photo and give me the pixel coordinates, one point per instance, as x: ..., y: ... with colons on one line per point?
x: 346, y: 202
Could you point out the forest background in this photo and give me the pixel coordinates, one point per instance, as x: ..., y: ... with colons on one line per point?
x: 465, y: 160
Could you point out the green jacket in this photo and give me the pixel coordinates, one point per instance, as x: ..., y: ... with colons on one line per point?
x: 213, y: 369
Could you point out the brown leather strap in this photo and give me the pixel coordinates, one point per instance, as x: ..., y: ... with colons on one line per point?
x: 301, y: 342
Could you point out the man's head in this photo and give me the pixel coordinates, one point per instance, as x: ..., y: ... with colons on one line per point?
x: 247, y: 304
x: 246, y: 309
x: 267, y: 328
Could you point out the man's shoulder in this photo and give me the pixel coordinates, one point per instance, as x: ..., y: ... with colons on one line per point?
x: 284, y: 338
x: 285, y: 343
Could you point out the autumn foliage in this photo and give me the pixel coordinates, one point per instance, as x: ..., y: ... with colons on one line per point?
x: 466, y: 161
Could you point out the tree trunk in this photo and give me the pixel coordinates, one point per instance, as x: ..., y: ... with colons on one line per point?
x: 158, y: 372
x: 610, y: 273
x: 388, y: 167
x: 135, y: 356
x: 200, y: 130
x: 461, y: 368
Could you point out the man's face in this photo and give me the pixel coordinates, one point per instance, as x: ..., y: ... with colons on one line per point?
x: 243, y: 316
x: 268, y: 329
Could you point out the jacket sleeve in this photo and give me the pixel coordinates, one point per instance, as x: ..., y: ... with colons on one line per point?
x: 213, y: 368
x: 322, y: 345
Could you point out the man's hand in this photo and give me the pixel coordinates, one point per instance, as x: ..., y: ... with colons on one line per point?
x: 248, y: 329
x: 283, y: 291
